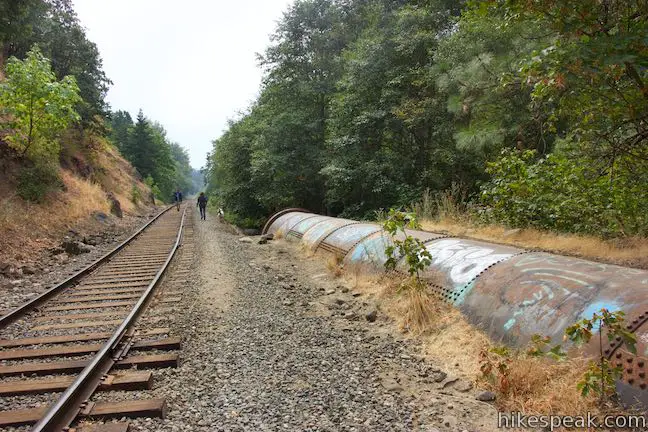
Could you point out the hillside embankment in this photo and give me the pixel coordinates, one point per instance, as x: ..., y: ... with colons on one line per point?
x: 97, y: 199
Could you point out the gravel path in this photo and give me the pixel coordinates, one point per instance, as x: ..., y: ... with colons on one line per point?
x: 269, y: 346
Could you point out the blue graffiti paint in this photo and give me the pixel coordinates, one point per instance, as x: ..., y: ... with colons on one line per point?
x: 464, y: 292
x: 592, y: 308
x: 509, y: 324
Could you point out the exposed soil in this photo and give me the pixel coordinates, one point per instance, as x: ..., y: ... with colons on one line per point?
x: 29, y: 269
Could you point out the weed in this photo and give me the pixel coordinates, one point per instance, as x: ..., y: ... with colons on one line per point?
x: 136, y: 195
x: 334, y: 265
x: 601, y: 375
x: 35, y: 182
x: 416, y: 254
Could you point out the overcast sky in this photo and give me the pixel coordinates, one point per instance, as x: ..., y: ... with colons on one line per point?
x: 190, y: 64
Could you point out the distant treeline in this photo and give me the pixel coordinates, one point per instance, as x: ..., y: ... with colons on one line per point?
x: 536, y: 110
x: 163, y: 163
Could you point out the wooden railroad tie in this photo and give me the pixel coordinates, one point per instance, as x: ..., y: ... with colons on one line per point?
x: 132, y: 408
x: 169, y: 343
x: 123, y: 381
x: 73, y: 366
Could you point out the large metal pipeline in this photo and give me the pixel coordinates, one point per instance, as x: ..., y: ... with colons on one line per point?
x: 508, y: 292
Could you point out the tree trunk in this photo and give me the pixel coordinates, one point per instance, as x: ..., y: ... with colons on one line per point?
x: 4, y: 53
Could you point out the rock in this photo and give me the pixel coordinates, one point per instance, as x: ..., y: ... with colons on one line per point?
x: 339, y: 301
x: 511, y: 232
x: 101, y: 217
x: 75, y: 247
x: 263, y: 241
x: 288, y: 303
x: 245, y: 240
x: 391, y: 384
x: 344, y: 290
x: 8, y: 270
x: 449, y: 381
x: 251, y: 231
x: 267, y: 236
x: 329, y: 292
x: 56, y: 251
x: 449, y: 421
x: 92, y: 241
x: 440, y: 376
x: 463, y: 386
x: 487, y: 396
x: 115, y: 205
x: 61, y: 258
x: 371, y: 316
x: 28, y: 270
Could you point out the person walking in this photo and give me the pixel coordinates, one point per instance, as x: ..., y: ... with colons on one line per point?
x: 202, y: 205
x: 177, y: 198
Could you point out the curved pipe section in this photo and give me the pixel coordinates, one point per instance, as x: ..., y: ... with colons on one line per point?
x: 508, y: 292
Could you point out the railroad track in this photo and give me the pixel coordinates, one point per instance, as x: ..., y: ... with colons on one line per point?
x: 95, y: 332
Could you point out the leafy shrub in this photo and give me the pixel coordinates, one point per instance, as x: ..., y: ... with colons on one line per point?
x: 416, y: 255
x: 35, y: 182
x: 565, y: 194
x: 35, y: 106
x: 136, y: 195
x: 601, y: 376
x: 154, y: 188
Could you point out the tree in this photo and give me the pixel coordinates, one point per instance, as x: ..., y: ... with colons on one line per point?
x: 595, y: 66
x: 120, y: 125
x: 36, y: 106
x: 55, y: 28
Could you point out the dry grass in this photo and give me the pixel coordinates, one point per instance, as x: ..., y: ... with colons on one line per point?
x: 81, y: 199
x: 116, y: 175
x: 334, y: 265
x: 536, y: 385
x: 32, y: 227
x: 540, y: 385
x: 628, y: 252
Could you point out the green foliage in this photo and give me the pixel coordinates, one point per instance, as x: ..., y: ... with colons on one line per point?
x: 55, y: 28
x: 566, y: 194
x: 36, y: 106
x: 147, y: 147
x: 601, y: 375
x: 495, y: 366
x: 155, y: 189
x: 136, y: 195
x: 416, y: 255
x: 368, y: 104
x: 36, y: 181
x: 540, y: 346
x: 592, y: 72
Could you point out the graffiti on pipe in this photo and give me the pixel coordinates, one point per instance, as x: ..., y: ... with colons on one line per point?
x: 347, y: 237
x: 543, y: 293
x: 461, y: 261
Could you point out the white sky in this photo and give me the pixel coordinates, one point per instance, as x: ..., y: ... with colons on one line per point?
x: 190, y: 64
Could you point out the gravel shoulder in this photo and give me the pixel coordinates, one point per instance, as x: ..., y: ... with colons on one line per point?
x: 272, y: 342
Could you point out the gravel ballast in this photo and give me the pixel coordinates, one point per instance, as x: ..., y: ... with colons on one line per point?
x: 268, y: 345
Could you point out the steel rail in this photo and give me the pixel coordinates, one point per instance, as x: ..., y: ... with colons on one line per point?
x: 60, y: 415
x: 21, y: 310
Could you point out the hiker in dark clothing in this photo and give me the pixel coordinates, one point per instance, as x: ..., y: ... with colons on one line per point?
x: 177, y: 198
x: 202, y: 205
